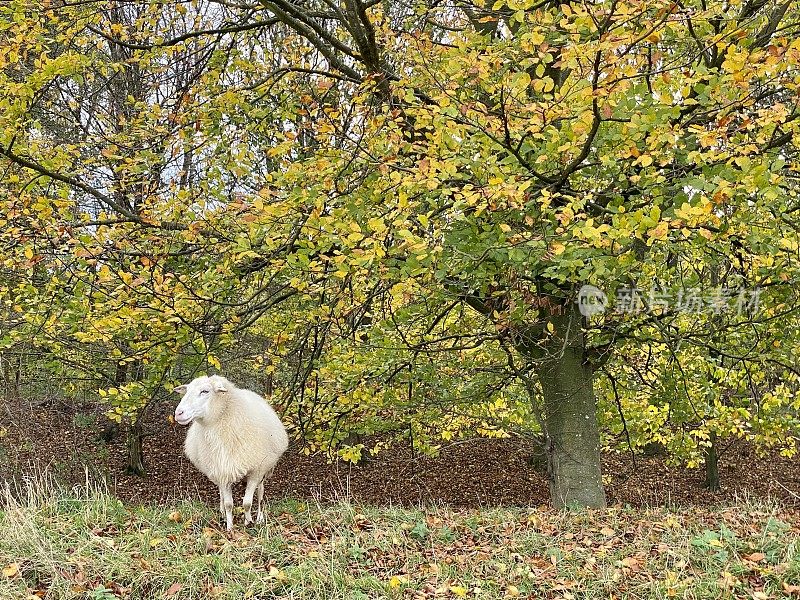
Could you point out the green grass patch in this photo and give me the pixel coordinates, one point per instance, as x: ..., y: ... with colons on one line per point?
x: 87, y: 544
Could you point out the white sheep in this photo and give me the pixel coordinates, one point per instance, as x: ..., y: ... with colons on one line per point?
x: 235, y: 433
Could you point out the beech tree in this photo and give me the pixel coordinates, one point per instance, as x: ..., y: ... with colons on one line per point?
x: 117, y: 152
x: 525, y: 149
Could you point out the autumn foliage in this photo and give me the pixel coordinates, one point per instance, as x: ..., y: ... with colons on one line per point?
x: 383, y: 216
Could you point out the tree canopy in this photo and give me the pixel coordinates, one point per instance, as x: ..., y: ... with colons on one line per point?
x: 389, y: 215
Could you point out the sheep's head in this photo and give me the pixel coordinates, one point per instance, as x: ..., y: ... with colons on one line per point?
x: 198, y: 397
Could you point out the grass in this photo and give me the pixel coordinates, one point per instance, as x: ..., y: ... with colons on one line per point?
x: 84, y: 543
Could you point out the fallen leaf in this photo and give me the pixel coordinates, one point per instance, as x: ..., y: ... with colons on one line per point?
x: 629, y: 562
x: 755, y: 557
x: 791, y: 589
x: 727, y: 580
x: 173, y: 589
x: 397, y: 580
x: 11, y: 570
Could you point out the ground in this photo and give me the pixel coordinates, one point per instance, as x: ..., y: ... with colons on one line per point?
x: 85, y: 544
x: 477, y: 473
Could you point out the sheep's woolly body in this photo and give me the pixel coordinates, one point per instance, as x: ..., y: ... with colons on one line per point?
x: 235, y: 434
x: 244, y: 437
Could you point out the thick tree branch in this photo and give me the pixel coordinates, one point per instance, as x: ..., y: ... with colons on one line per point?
x: 186, y: 36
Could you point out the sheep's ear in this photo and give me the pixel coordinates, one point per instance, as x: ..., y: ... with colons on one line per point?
x: 181, y: 389
x: 221, y: 386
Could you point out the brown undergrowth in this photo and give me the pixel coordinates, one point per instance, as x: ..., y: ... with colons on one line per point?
x: 64, y: 439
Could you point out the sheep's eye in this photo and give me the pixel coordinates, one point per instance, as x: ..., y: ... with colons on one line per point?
x: 203, y: 392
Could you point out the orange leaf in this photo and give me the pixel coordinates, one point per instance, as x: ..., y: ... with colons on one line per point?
x: 791, y: 589
x: 755, y: 557
x: 631, y: 563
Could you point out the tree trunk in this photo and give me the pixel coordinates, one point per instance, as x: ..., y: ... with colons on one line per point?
x: 570, y: 415
x: 135, y: 454
x: 712, y: 463
x: 11, y: 377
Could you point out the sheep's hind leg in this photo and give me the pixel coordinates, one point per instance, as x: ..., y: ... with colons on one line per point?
x: 259, y: 498
x: 247, y: 502
x: 226, y: 504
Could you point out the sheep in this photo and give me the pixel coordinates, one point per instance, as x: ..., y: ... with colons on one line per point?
x: 234, y: 433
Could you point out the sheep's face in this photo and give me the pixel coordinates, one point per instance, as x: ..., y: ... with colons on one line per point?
x: 198, y: 398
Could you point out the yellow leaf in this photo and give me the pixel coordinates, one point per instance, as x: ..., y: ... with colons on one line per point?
x: 459, y: 590
x: 29, y: 253
x: 397, y: 580
x: 659, y: 232
x: 155, y: 542
x: 11, y: 570
x: 727, y: 580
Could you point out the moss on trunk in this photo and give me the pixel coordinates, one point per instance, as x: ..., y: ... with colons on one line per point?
x: 570, y: 415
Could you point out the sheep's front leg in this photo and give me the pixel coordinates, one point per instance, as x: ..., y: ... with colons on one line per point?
x: 226, y: 504
x: 252, y: 482
x: 259, y: 498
